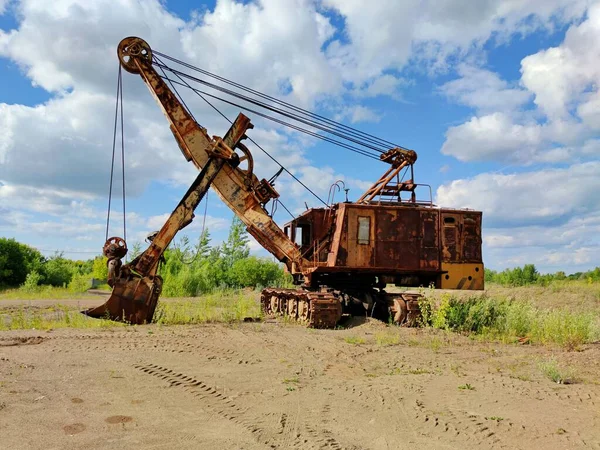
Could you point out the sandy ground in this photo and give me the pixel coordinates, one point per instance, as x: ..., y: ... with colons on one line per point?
x: 277, y: 386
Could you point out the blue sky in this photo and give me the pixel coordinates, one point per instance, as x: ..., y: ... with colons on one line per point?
x: 499, y: 98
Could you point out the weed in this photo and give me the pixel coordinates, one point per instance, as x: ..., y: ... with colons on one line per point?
x: 561, y: 431
x: 466, y: 387
x: 419, y: 371
x: 435, y: 344
x: 355, y: 340
x: 456, y: 368
x: 387, y: 338
x: 291, y: 380
x: 555, y: 373
x: 290, y: 389
x: 59, y: 316
x: 495, y: 418
x: 512, y: 321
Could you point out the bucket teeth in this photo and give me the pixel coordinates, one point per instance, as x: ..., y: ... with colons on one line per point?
x: 132, y: 301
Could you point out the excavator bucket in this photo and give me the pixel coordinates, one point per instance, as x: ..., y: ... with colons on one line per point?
x: 133, y: 300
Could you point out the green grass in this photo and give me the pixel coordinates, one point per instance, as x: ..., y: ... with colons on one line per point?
x: 515, y: 319
x: 495, y: 418
x: 466, y: 387
x: 355, y: 340
x: 223, y: 307
x: 42, y: 292
x: 554, y: 372
x: 387, y: 338
x: 58, y: 316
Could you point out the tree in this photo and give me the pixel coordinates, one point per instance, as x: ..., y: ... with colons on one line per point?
x: 236, y: 246
x: 99, y: 268
x: 255, y: 272
x: 57, y: 271
x: 16, y: 261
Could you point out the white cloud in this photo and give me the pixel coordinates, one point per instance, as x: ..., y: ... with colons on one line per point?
x: 391, y: 33
x: 484, y: 90
x: 358, y: 114
x: 3, y: 6
x: 546, y: 197
x: 563, y: 82
x: 493, y: 137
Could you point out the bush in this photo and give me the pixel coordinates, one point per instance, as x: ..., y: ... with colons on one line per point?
x: 57, y: 271
x: 16, y: 261
x: 32, y: 281
x: 255, y: 272
x: 80, y: 283
x: 510, y: 320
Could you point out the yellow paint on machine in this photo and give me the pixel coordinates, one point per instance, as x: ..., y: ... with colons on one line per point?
x: 462, y: 276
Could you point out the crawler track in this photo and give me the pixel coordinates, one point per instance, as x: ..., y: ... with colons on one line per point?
x: 315, y: 309
x: 324, y: 309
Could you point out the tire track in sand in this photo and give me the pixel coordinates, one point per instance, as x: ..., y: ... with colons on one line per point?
x: 286, y: 433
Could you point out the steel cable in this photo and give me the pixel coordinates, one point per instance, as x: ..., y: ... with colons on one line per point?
x: 325, y: 128
x: 349, y: 129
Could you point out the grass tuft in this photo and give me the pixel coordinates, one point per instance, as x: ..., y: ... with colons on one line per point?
x: 552, y: 370
x: 355, y: 340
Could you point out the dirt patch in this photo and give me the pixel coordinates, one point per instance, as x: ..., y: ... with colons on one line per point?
x: 279, y: 386
x: 13, y: 341
x: 118, y: 419
x: 74, y: 429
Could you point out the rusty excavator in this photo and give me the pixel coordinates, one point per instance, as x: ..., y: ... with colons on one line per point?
x: 341, y: 256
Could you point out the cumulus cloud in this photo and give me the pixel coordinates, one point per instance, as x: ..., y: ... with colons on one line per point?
x: 493, y: 137
x: 484, y: 90
x: 563, y: 83
x: 544, y: 197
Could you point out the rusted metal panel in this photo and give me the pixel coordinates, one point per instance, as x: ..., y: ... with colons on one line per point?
x: 461, y: 236
x: 471, y: 237
x: 361, y: 237
x: 397, y: 237
x: 430, y: 242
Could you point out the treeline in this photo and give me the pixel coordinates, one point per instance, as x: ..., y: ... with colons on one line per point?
x: 24, y: 266
x: 187, y: 270
x: 528, y: 275
x: 190, y: 270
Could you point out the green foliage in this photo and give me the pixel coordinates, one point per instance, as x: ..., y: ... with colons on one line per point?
x: 58, y: 271
x: 16, y: 261
x: 528, y: 275
x: 99, y: 268
x: 236, y: 246
x: 511, y: 320
x: 255, y: 272
x: 554, y: 372
x: 80, y: 283
x: 32, y: 281
x: 191, y: 270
